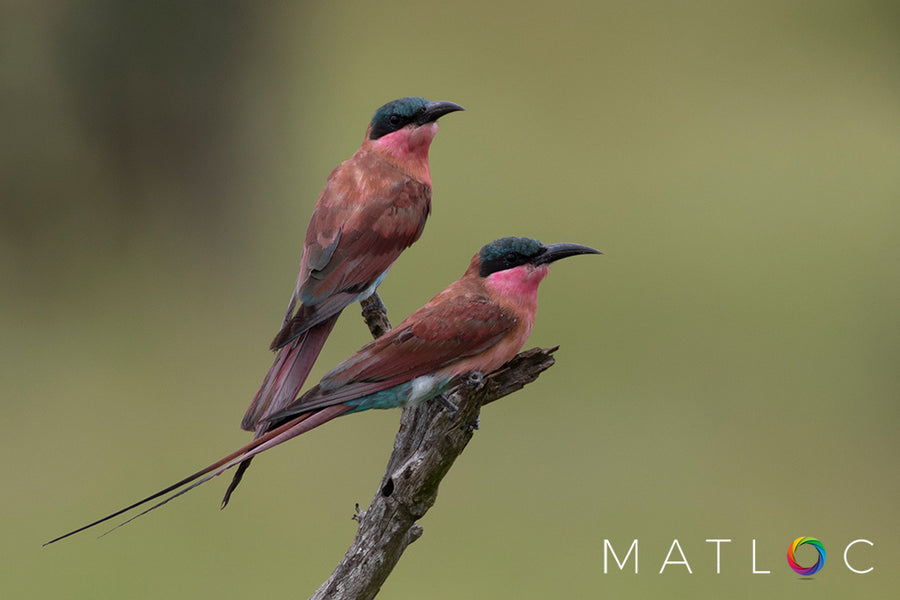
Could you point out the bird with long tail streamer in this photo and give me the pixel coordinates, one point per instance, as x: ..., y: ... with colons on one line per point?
x: 372, y: 208
x: 475, y: 325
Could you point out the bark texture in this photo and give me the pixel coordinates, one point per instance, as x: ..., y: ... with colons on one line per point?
x: 431, y: 436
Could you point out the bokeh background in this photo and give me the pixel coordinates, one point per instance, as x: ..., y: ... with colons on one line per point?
x: 728, y: 369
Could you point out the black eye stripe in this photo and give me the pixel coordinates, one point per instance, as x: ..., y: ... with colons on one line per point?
x: 510, y: 260
x: 508, y: 253
x: 389, y: 124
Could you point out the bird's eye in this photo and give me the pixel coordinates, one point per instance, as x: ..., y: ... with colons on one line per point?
x: 395, y: 119
x: 511, y: 257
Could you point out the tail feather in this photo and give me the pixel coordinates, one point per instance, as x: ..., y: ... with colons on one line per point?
x: 287, y: 375
x: 277, y: 436
x: 235, y: 481
x: 281, y: 386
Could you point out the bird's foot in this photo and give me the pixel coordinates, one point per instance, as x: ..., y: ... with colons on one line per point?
x: 473, y: 379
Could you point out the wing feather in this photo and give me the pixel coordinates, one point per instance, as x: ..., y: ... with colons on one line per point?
x: 446, y: 330
x: 368, y: 213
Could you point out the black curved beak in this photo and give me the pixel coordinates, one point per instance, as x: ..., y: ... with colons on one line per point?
x: 554, y: 252
x: 435, y: 110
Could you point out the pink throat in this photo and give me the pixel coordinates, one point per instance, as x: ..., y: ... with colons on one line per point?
x: 409, y: 149
x: 519, y: 285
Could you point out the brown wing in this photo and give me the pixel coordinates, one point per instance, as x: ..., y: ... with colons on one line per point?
x: 443, y: 332
x: 368, y: 213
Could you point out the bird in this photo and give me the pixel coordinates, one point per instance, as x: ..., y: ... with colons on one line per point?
x: 475, y: 325
x: 374, y: 206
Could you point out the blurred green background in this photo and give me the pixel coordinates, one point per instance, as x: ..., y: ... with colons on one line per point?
x: 728, y: 369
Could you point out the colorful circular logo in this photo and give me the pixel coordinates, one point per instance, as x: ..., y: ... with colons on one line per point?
x: 815, y: 544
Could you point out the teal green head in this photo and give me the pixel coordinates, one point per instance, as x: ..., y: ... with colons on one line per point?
x: 511, y: 252
x: 412, y: 110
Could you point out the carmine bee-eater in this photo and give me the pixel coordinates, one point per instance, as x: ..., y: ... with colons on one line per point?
x: 476, y: 324
x: 373, y: 207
